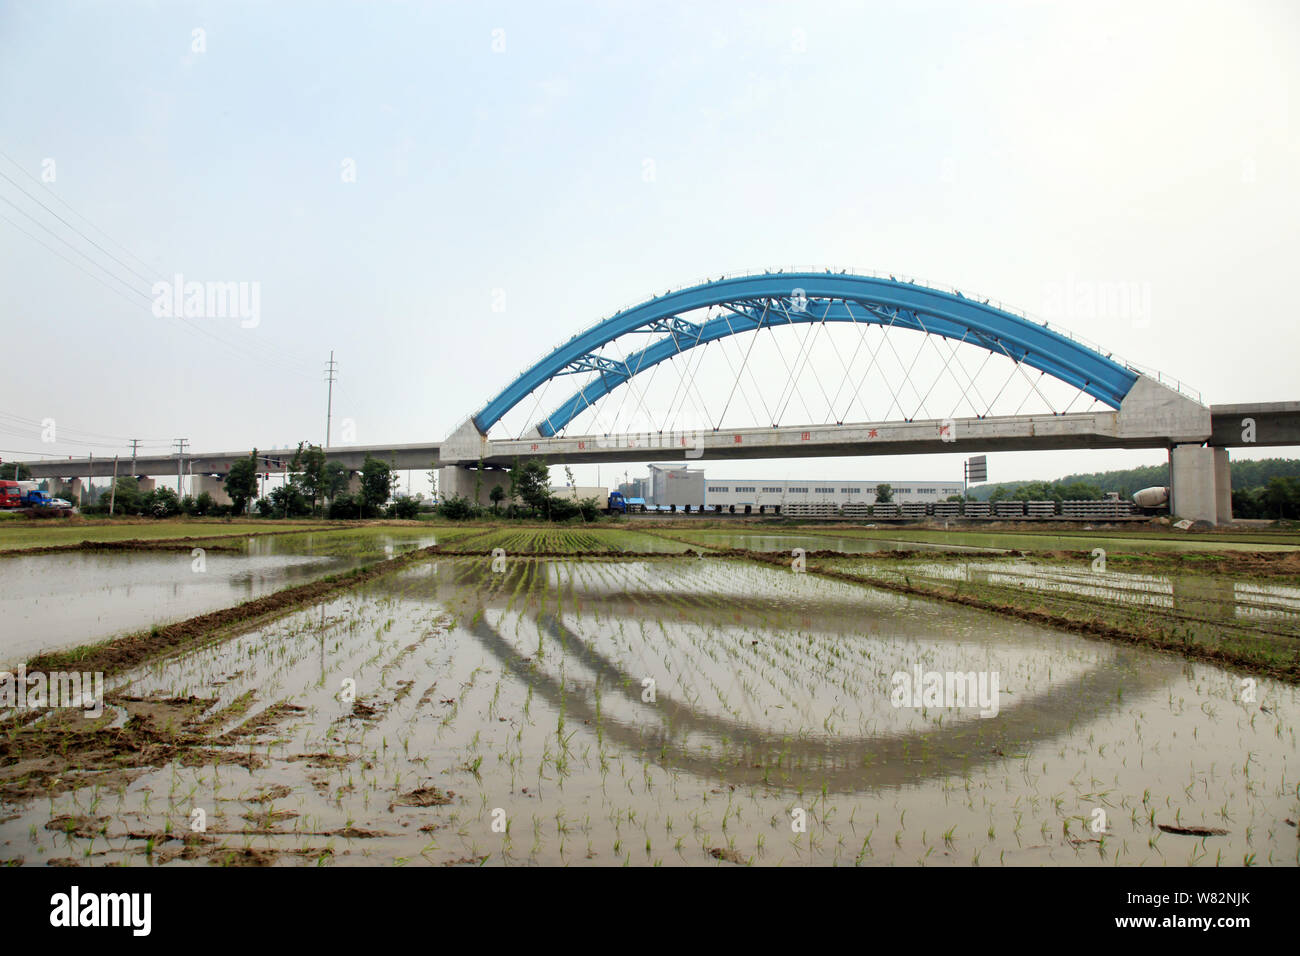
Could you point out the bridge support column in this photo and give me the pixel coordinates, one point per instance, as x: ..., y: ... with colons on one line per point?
x: 1200, y: 484
x: 457, y: 480
x: 69, y: 488
x: 216, y: 487
x: 1222, y: 487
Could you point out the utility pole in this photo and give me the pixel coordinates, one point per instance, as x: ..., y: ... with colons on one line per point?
x: 112, y: 494
x: 180, y: 453
x: 135, y: 444
x: 90, y: 480
x: 331, y: 369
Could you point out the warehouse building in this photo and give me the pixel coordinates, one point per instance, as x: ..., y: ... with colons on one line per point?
x: 824, y: 492
x: 680, y: 487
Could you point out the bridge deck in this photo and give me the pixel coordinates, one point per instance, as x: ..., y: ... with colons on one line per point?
x: 1276, y: 424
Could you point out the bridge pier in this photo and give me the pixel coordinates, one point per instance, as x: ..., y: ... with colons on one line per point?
x: 67, y: 488
x: 1200, y: 484
x: 216, y: 487
x: 457, y: 480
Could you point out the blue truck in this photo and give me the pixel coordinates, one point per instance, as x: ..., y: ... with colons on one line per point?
x: 620, y: 505
x: 40, y: 503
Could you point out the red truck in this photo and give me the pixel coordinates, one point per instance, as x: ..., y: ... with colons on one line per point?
x: 32, y: 501
x: 10, y: 494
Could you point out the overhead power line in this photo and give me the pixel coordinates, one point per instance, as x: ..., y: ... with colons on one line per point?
x: 55, y: 196
x: 259, y: 351
x: 80, y: 268
x: 73, y: 228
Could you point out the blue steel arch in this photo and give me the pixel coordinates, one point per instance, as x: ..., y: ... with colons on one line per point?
x: 791, y: 298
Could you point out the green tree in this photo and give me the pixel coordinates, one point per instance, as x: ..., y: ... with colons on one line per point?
x: 161, y: 503
x: 531, y: 482
x: 1079, y: 491
x: 512, y: 495
x: 404, y: 506
x: 288, y: 500
x: 128, y: 497
x: 560, y: 508
x: 1282, y: 496
x: 884, y: 493
x: 458, y: 508
x: 204, y: 504
x: 498, y: 495
x: 241, y: 483
x: 335, y: 481
x: 1249, y: 503
x: 342, y: 506
x: 376, y: 482
x: 15, y: 472
x: 309, y: 463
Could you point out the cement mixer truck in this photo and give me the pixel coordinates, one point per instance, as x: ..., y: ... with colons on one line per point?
x: 1153, y: 499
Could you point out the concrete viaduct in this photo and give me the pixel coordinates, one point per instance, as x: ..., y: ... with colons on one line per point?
x: 1143, y: 411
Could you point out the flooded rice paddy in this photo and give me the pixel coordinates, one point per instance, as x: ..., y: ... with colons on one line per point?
x: 1086, y: 538
x: 1189, y: 594
x: 847, y: 543
x: 56, y: 601
x: 674, y: 710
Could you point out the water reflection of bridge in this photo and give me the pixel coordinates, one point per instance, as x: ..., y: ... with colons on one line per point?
x: 743, y: 752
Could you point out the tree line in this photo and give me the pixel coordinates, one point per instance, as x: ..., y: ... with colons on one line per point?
x: 313, y: 486
x: 1267, y: 488
x: 1278, y: 498
x: 527, y: 495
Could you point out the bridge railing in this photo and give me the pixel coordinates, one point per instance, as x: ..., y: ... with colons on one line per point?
x: 1168, y: 380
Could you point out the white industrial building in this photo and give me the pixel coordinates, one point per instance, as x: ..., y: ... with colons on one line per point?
x: 682, y: 487
x: 826, y: 492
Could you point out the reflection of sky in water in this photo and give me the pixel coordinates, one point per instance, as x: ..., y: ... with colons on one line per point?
x: 58, y: 601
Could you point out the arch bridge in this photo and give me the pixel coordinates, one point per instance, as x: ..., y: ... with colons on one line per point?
x: 1124, y: 406
x: 1131, y: 408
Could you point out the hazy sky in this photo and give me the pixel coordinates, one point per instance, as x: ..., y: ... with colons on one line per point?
x: 500, y: 156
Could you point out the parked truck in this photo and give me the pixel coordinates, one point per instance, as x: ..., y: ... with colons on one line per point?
x: 11, y: 494
x: 40, y: 504
x: 621, y: 505
x: 1151, y: 500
